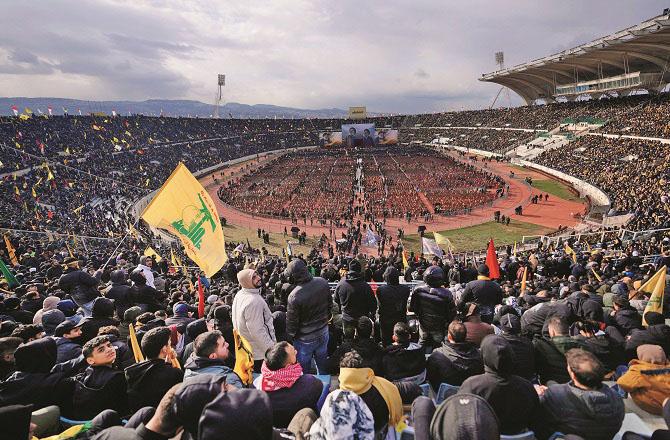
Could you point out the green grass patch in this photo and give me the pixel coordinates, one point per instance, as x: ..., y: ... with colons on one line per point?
x: 474, y: 238
x: 555, y: 188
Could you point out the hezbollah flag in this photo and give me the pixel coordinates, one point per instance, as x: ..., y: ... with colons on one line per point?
x: 656, y: 286
x: 183, y: 207
x: 150, y: 252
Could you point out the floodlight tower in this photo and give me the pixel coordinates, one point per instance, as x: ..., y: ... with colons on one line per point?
x: 500, y: 62
x: 219, y: 94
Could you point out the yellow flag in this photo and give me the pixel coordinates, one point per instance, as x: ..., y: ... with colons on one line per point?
x: 34, y: 193
x: 17, y: 145
x: 24, y: 117
x: 443, y: 241
x: 78, y: 210
x: 176, y: 262
x: 137, y: 351
x: 11, y: 251
x: 514, y: 251
x: 244, y: 360
x: 150, y: 252
x: 571, y: 252
x: 523, y: 279
x: 596, y: 274
x: 405, y: 264
x: 656, y: 286
x: 184, y: 208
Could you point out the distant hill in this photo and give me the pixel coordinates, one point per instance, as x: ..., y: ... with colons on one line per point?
x: 169, y: 107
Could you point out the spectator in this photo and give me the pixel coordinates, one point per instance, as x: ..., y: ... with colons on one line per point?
x: 434, y: 307
x: 584, y: 406
x: 210, y: 351
x: 404, y: 360
x: 363, y: 343
x: 392, y: 299
x: 455, y: 361
x: 8, y: 346
x: 252, y: 316
x: 354, y: 298
x: 67, y: 336
x: 512, y: 397
x: 484, y: 292
x: 103, y: 315
x: 81, y: 286
x: 307, y: 315
x: 145, y: 267
x: 550, y: 352
x: 49, y: 303
x: 344, y: 415
x: 656, y: 333
x: 522, y: 347
x: 648, y: 378
x: 477, y: 329
x: 120, y: 292
x: 288, y: 388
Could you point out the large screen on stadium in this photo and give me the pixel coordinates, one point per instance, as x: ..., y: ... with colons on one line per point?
x: 359, y: 135
x: 330, y: 138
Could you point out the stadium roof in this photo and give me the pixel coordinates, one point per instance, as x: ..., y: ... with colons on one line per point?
x: 643, y: 48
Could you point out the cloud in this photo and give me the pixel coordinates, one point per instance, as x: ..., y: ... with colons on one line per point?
x: 401, y: 56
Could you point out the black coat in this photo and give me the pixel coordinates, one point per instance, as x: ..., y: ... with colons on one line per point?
x: 402, y: 361
x: 355, y: 297
x: 550, y: 360
x: 513, y: 398
x: 286, y: 402
x: 121, y: 294
x: 486, y: 293
x: 148, y: 382
x: 593, y: 415
x: 626, y: 320
x: 434, y: 307
x: 392, y: 301
x: 79, y: 285
x: 453, y: 363
x: 369, y: 350
x: 98, y: 389
x: 67, y: 349
x: 658, y: 334
x: 524, y: 355
x: 309, y: 304
x: 143, y: 294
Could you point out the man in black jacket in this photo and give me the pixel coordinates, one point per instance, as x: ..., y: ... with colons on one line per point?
x: 434, y: 307
x: 392, y: 298
x: 148, y: 381
x: 550, y: 352
x: 119, y: 292
x: 484, y: 292
x: 355, y: 298
x: 455, y: 360
x: 656, y: 333
x: 524, y: 356
x: 81, y: 286
x: 307, y: 315
x: 624, y: 317
x: 512, y: 397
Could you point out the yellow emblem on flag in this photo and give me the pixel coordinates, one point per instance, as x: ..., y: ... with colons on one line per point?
x: 150, y: 252
x: 183, y: 207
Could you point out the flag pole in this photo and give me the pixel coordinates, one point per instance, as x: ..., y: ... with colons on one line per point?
x: 119, y: 245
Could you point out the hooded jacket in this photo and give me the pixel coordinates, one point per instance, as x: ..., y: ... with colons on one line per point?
x: 79, y: 285
x: 32, y: 382
x: 253, y: 320
x: 453, y: 363
x: 103, y: 315
x: 49, y: 303
x: 550, y: 362
x: 433, y: 305
x: 392, y: 298
x: 648, y: 379
x: 196, y: 365
x: 355, y: 296
x: 513, y: 398
x: 120, y: 293
x: 242, y: 414
x: 626, y: 320
x: 148, y: 382
x: 657, y: 334
x: 485, y: 293
x: 591, y: 414
x: 309, y: 304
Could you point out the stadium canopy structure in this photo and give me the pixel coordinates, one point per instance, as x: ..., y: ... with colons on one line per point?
x: 634, y: 59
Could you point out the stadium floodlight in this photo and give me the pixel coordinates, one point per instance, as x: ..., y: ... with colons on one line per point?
x: 500, y: 60
x: 219, y: 94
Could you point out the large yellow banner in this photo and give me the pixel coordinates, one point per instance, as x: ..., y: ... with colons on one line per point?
x: 183, y: 207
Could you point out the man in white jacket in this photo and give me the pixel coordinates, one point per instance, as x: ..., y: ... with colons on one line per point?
x: 145, y: 267
x: 252, y: 317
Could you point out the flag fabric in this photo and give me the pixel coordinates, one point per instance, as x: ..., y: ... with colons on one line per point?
x: 514, y: 251
x: 184, y: 208
x: 244, y: 359
x: 50, y: 111
x: 571, y: 252
x: 656, y: 286
x: 596, y: 274
x: 442, y: 240
x: 137, y: 351
x: 11, y: 251
x: 11, y: 279
x: 176, y: 261
x: 371, y: 238
x: 289, y: 249
x: 239, y: 248
x: 492, y: 261
x: 201, y: 299
x: 429, y: 246
x: 15, y: 109
x: 150, y: 252
x: 523, y: 278
x: 405, y: 264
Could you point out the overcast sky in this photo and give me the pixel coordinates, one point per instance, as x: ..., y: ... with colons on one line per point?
x: 390, y: 55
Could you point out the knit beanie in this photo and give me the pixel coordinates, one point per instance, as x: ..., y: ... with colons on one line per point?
x: 653, y: 354
x: 245, y: 278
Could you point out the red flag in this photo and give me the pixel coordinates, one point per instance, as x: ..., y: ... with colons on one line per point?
x: 201, y: 300
x: 492, y: 261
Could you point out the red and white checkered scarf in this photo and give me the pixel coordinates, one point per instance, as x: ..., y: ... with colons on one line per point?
x: 282, y: 378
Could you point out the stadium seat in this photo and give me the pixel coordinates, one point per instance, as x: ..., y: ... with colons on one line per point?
x: 69, y: 422
x: 446, y: 390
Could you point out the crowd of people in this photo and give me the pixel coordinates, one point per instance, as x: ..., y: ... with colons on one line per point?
x: 631, y: 172
x: 531, y: 350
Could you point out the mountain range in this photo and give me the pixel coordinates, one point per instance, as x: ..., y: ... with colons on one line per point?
x: 168, y: 107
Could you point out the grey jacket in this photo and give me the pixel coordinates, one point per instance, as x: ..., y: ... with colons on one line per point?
x: 253, y: 320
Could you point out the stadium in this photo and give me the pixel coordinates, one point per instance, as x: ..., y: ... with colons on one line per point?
x: 481, y: 274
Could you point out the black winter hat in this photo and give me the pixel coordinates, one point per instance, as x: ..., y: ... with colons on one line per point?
x: 242, y: 414
x: 464, y: 417
x: 355, y: 266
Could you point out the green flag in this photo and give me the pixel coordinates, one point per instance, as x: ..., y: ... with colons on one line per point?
x: 11, y: 280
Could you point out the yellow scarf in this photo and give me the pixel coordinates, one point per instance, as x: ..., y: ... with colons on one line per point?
x: 360, y: 380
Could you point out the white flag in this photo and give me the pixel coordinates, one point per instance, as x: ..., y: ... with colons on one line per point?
x: 430, y: 247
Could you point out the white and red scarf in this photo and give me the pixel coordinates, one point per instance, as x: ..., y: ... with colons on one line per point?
x: 278, y: 379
